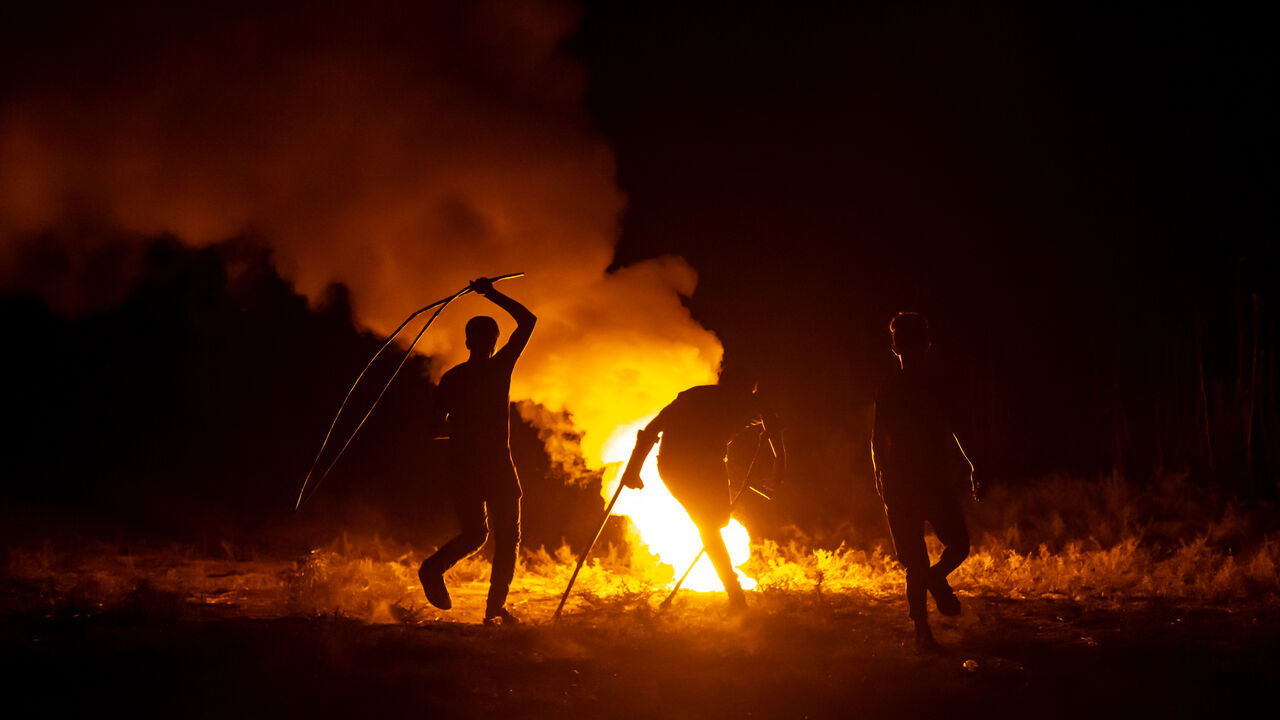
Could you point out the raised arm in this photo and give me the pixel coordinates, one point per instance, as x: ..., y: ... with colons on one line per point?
x: 525, y: 320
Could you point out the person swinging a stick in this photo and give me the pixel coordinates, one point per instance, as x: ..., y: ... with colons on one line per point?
x: 485, y: 489
x: 696, y: 429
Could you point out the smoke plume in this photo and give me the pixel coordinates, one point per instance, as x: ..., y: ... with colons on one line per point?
x: 399, y: 151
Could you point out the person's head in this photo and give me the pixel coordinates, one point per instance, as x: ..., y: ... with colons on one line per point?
x: 737, y: 374
x: 910, y: 333
x: 482, y: 335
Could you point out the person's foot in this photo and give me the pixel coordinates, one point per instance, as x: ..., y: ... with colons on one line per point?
x: 737, y: 598
x: 944, y: 597
x: 433, y: 585
x: 925, y: 642
x: 500, y: 617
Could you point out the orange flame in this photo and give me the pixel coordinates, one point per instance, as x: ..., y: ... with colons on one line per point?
x: 659, y: 521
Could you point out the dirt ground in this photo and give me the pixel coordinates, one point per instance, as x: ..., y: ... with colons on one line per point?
x: 794, y: 656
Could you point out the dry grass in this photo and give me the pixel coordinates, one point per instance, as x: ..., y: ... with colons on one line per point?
x: 1065, y: 538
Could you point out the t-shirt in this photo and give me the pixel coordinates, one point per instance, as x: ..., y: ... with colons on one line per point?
x: 476, y: 400
x: 701, y: 421
x: 912, y: 438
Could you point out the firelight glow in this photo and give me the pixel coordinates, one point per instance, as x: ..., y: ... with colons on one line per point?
x: 661, y: 523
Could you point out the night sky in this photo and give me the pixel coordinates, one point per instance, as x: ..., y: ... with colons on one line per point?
x: 1078, y: 198
x: 1061, y: 189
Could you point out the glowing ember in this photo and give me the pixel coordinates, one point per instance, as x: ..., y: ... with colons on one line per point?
x: 661, y: 523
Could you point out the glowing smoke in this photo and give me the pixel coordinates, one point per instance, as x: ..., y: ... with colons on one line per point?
x: 398, y: 151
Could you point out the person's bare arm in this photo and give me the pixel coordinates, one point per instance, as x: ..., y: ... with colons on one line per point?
x: 975, y: 485
x: 951, y: 408
x: 525, y: 320
x: 442, y: 408
x: 645, y: 440
x: 879, y: 438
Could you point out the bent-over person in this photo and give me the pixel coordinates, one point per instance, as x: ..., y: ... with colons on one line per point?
x: 695, y: 431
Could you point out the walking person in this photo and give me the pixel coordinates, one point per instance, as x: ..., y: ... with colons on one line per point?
x: 484, y: 485
x: 914, y: 455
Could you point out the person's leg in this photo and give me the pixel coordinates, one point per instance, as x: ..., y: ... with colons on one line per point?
x: 713, y: 543
x: 504, y: 520
x: 473, y: 532
x: 907, y: 528
x: 947, y: 519
x: 471, y: 519
x: 701, y: 486
x: 949, y: 525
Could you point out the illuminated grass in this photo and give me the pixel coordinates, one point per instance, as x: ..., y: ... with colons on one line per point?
x: 1065, y: 539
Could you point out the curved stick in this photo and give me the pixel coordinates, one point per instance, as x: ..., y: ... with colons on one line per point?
x: 442, y: 304
x: 373, y: 405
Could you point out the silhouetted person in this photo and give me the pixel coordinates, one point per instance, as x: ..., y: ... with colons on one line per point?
x: 696, y: 429
x: 485, y: 487
x: 915, y: 455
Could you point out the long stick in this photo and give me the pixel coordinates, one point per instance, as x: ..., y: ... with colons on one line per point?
x: 440, y: 305
x: 587, y: 551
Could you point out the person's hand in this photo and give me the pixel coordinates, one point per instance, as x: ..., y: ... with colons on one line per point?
x: 632, y: 480
x: 483, y: 286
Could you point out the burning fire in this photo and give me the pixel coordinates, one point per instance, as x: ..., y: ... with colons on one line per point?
x: 376, y: 579
x: 453, y: 174
x: 661, y: 523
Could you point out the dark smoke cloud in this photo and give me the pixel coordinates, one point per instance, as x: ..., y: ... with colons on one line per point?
x: 398, y: 150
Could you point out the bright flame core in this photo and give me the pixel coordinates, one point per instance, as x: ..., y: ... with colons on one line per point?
x: 661, y: 523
